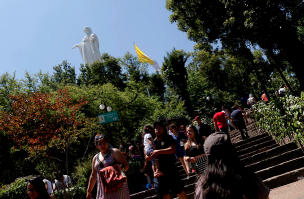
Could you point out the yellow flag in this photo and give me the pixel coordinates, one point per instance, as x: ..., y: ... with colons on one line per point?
x: 145, y: 59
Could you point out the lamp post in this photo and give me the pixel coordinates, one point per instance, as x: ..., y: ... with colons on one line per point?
x: 102, y: 107
x: 108, y: 109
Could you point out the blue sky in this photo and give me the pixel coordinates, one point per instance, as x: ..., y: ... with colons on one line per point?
x: 39, y: 34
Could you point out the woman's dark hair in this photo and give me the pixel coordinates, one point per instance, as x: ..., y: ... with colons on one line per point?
x: 198, y: 138
x: 221, y: 179
x: 39, y: 187
x: 225, y: 177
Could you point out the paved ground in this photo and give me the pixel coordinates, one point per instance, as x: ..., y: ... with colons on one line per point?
x: 290, y: 191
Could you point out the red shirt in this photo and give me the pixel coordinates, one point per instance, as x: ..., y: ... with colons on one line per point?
x: 264, y: 98
x: 220, y: 120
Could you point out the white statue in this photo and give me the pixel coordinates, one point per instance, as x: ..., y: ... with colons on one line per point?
x: 89, y: 48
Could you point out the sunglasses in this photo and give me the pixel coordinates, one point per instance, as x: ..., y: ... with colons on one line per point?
x: 98, y: 137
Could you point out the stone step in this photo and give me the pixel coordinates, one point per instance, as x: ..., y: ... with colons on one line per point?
x: 267, y: 148
x: 189, y: 188
x: 255, y: 148
x: 185, y: 176
x: 250, y: 140
x: 188, y: 184
x: 189, y: 195
x: 289, y: 155
x: 238, y: 138
x: 250, y: 127
x: 267, y: 154
x: 252, y: 143
x: 281, y: 168
x: 284, y: 178
x: 238, y: 141
x: 181, y: 172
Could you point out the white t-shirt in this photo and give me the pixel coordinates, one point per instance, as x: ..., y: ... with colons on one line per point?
x: 146, y: 143
x: 66, y: 181
x: 49, y: 184
x: 281, y: 90
x: 226, y: 113
x: 251, y: 101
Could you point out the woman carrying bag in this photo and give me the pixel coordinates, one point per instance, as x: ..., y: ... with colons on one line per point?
x: 106, y: 168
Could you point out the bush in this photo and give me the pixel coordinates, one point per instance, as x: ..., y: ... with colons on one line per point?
x: 282, y: 117
x: 76, y: 192
x: 16, y: 190
x: 83, y: 171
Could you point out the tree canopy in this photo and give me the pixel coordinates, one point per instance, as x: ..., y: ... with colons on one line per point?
x: 240, y: 25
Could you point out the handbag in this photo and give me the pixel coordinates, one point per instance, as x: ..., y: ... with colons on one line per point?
x: 112, y: 178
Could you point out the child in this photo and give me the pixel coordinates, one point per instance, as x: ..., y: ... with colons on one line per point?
x: 149, y: 148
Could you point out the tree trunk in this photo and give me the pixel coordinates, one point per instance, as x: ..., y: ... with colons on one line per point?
x: 249, y: 56
x: 292, y: 51
x: 277, y: 63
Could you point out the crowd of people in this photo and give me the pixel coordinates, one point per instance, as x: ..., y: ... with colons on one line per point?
x: 201, y: 150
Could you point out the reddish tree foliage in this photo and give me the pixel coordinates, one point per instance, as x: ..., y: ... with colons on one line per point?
x: 35, y: 119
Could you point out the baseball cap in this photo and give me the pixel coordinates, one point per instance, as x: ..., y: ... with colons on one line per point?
x: 217, y: 144
x: 197, y: 117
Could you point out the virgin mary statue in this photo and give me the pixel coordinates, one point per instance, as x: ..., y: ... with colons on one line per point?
x: 89, y: 48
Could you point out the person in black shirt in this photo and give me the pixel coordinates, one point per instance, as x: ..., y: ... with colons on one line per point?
x: 194, y: 150
x: 170, y: 182
x: 204, y: 130
x: 238, y: 120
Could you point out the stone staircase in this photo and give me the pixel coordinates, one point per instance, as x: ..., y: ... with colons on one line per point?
x: 276, y: 165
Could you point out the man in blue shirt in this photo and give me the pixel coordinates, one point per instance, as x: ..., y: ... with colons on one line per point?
x: 239, y: 122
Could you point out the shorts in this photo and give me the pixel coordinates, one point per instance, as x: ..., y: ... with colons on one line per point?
x: 148, y: 152
x: 170, y: 183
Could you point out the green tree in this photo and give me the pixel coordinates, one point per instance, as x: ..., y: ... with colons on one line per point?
x: 272, y: 25
x: 8, y: 85
x: 85, y: 77
x: 64, y: 73
x: 29, y: 83
x: 108, y: 70
x: 157, y: 85
x: 175, y: 75
x: 135, y: 70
